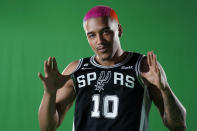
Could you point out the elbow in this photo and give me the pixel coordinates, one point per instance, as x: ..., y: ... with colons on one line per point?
x: 45, y: 127
x: 47, y: 124
x: 181, y: 126
x: 178, y: 128
x: 177, y: 123
x: 50, y: 127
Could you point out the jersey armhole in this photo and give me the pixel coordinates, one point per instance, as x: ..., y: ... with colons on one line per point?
x: 137, y: 70
x: 73, y: 74
x: 139, y: 78
x: 146, y: 103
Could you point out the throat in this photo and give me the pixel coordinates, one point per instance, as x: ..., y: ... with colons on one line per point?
x: 112, y: 61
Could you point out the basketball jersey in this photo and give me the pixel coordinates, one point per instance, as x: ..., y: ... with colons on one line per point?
x: 110, y: 98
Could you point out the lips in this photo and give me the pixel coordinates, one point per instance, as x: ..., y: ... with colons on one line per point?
x: 101, y: 49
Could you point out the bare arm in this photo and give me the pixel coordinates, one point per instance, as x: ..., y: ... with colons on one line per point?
x: 58, y: 95
x: 172, y: 111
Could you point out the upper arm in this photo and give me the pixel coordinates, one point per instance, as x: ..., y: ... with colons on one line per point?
x: 154, y: 92
x: 66, y: 95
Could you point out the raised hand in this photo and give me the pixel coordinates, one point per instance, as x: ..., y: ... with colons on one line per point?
x: 155, y: 76
x: 53, y: 80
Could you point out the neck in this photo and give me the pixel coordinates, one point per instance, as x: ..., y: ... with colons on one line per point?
x: 116, y: 58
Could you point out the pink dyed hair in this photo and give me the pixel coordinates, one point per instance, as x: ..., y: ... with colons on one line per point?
x: 101, y: 11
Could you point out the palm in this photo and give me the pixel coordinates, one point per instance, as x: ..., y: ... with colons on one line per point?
x: 53, y: 80
x: 153, y: 75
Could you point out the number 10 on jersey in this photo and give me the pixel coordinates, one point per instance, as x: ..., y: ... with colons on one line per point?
x: 113, y: 99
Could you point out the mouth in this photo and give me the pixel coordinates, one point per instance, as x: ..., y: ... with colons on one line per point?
x: 101, y: 49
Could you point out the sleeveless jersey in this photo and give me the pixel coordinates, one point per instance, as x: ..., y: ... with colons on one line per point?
x: 110, y: 98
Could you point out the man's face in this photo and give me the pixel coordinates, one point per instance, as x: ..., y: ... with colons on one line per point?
x: 103, y: 36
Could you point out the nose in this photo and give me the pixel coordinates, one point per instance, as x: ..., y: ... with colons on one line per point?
x: 100, y: 39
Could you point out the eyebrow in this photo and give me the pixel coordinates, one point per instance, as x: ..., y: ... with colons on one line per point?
x: 101, y: 30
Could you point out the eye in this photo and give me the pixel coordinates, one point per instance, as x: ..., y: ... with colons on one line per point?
x: 106, y: 31
x: 91, y: 36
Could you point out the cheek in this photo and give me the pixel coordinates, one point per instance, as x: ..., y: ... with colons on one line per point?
x: 110, y: 37
x: 91, y: 43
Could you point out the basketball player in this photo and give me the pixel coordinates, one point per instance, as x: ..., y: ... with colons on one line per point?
x: 113, y: 89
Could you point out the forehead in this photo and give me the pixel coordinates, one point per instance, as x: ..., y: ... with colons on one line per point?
x: 97, y: 23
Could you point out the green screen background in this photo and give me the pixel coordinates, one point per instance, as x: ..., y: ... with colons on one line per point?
x: 33, y: 30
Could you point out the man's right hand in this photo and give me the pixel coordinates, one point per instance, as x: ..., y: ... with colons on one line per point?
x: 53, y: 80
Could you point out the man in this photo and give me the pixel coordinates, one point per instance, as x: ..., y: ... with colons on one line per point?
x: 113, y: 89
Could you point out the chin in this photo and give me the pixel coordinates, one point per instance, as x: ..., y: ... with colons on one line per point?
x: 106, y: 56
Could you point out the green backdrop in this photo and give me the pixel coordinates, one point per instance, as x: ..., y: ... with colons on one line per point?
x: 33, y: 30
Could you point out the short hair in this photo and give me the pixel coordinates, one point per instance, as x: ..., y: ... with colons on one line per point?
x: 101, y: 10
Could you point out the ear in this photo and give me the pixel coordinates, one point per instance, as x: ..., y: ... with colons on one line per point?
x: 119, y: 30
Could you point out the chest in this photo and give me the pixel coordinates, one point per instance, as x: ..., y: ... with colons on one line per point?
x: 103, y: 77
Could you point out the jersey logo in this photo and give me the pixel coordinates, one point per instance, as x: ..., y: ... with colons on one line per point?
x: 87, y: 68
x: 102, y: 80
x: 86, y: 64
x: 126, y: 67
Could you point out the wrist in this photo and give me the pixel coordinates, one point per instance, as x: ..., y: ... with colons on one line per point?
x: 163, y: 85
x: 165, y: 89
x: 50, y: 93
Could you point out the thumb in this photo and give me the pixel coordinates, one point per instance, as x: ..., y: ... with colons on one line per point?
x: 41, y: 76
x: 143, y: 74
x: 144, y: 78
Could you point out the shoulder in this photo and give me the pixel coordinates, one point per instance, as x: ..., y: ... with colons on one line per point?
x: 71, y: 67
x: 144, y: 65
x: 141, y: 60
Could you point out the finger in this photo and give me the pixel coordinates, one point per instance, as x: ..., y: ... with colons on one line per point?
x: 49, y: 63
x: 155, y: 61
x: 41, y: 76
x: 46, y: 71
x: 151, y: 56
x: 54, y: 64
x: 149, y: 59
x: 157, y: 66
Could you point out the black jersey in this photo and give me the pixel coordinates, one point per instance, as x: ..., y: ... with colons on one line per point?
x: 110, y: 98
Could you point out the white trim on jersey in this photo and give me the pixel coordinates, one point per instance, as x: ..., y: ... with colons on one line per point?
x: 146, y: 98
x: 93, y: 62
x: 72, y: 75
x: 137, y: 69
x: 79, y: 64
x: 73, y: 129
